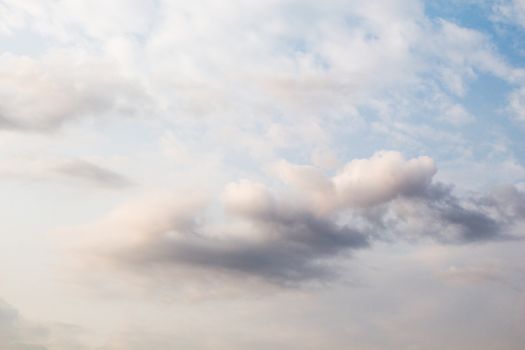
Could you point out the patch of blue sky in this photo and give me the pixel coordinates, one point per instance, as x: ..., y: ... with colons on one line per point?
x: 361, y: 137
x: 470, y: 14
x: 511, y: 43
x: 487, y: 96
x: 487, y: 100
x: 420, y: 132
x: 507, y: 38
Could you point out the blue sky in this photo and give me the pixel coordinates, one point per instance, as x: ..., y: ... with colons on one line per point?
x: 262, y: 174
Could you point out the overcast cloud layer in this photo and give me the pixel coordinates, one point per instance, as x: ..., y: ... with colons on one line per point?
x: 262, y: 174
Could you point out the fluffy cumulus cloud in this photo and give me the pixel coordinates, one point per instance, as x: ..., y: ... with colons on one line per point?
x: 362, y: 182
x: 298, y: 233
x: 386, y: 175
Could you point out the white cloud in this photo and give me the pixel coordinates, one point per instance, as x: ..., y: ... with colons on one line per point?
x: 384, y: 176
x: 511, y: 11
x: 40, y: 94
x: 63, y: 170
x: 66, y: 21
x: 517, y: 104
x: 290, y: 235
x: 457, y: 115
x: 362, y: 182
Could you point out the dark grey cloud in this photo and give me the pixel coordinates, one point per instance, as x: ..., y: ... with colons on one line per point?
x: 509, y: 201
x: 480, y: 217
x: 291, y: 250
x: 471, y: 221
x: 89, y: 172
x: 440, y: 215
x: 473, y: 224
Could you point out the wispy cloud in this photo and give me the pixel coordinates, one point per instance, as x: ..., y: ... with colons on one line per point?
x: 92, y: 173
x: 58, y: 169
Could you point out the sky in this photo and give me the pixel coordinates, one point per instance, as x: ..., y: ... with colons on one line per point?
x: 262, y: 174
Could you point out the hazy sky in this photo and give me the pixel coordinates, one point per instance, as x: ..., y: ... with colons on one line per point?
x: 262, y: 174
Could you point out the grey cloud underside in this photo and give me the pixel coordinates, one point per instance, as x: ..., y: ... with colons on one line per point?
x: 473, y: 225
x: 468, y: 221
x: 293, y: 251
x: 445, y: 220
x: 92, y: 173
x: 489, y: 216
